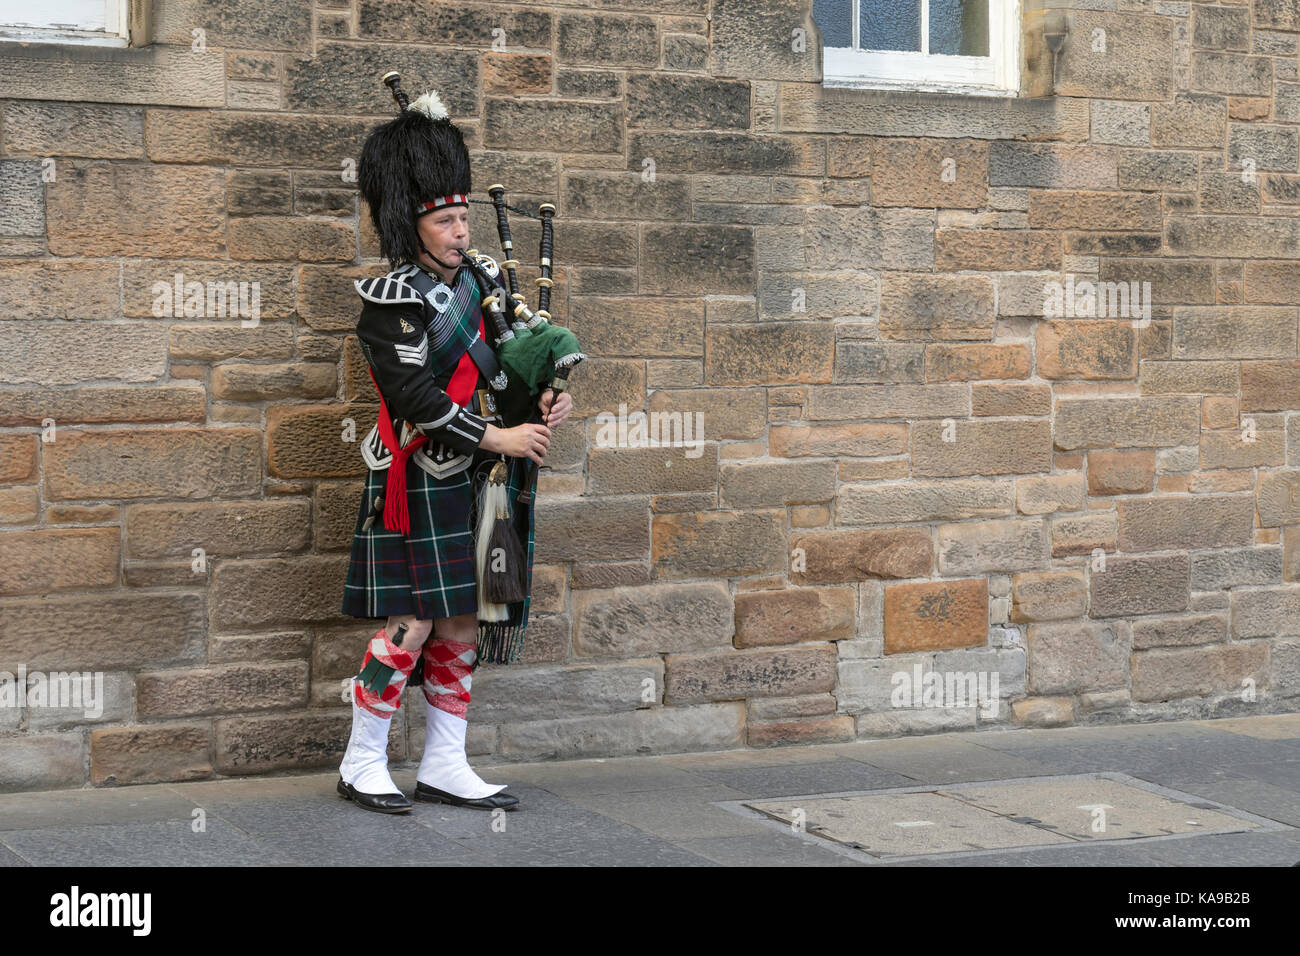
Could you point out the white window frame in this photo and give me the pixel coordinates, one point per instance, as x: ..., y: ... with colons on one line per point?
x: 43, y: 30
x: 997, y: 74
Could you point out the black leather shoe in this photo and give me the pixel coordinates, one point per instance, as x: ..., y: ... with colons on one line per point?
x: 379, y: 802
x: 428, y: 794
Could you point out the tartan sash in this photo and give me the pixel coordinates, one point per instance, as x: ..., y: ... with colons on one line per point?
x: 451, y: 323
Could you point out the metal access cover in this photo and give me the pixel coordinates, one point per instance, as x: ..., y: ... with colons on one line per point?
x: 1000, y: 815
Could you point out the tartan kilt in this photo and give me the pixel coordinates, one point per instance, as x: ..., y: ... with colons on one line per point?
x: 431, y: 572
x: 428, y: 573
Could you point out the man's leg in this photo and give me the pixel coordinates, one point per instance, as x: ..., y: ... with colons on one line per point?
x: 445, y: 775
x: 386, y: 666
x: 376, y: 696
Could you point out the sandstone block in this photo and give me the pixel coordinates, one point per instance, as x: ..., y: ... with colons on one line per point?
x: 652, y: 619
x: 936, y: 614
x: 793, y: 616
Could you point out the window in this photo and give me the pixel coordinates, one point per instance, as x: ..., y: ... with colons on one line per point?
x: 95, y: 22
x: 961, y: 46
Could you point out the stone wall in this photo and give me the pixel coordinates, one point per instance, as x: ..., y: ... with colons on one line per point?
x: 910, y: 466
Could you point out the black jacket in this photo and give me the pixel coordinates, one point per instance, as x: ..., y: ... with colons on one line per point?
x: 393, y: 336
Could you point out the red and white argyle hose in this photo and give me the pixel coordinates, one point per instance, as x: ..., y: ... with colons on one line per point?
x: 447, y: 667
x: 384, y: 671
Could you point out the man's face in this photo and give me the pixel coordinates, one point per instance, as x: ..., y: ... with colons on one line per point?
x: 442, y: 231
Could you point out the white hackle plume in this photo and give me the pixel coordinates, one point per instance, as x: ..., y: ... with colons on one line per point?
x: 430, y: 105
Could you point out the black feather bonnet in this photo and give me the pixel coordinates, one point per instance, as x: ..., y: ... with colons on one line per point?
x: 416, y: 158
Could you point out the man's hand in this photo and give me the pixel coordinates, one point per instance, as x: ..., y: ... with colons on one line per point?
x: 563, y: 405
x: 522, y: 441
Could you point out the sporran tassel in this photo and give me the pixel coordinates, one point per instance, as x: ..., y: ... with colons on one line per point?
x: 499, y: 555
x: 504, y: 581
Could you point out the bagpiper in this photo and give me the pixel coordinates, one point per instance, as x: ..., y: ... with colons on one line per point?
x: 414, y: 559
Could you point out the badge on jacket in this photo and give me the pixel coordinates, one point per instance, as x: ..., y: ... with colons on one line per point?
x: 407, y: 326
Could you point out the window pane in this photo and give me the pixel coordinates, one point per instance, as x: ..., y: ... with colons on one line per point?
x: 63, y: 14
x: 890, y: 25
x: 835, y: 19
x: 959, y: 27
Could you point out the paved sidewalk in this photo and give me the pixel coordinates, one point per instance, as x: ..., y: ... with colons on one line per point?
x: 1242, y: 774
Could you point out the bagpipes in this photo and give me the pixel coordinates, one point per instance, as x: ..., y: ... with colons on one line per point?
x: 535, y: 355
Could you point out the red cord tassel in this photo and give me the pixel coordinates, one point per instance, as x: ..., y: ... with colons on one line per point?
x: 397, y: 516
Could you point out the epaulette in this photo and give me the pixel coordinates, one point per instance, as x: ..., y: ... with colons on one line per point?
x: 389, y: 289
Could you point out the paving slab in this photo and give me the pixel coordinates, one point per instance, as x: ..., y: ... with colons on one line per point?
x: 622, y: 849
x: 551, y: 830
x: 604, y: 776
x: 1282, y: 771
x: 906, y: 824
x: 675, y: 815
x: 1207, y: 756
x: 1261, y: 799
x: 950, y: 759
x: 1264, y: 727
x: 1083, y: 855
x: 766, y: 757
x: 1026, y: 738
x: 215, y: 795
x: 540, y: 817
x: 806, y: 778
x: 1076, y: 807
x: 320, y: 833
x: 32, y: 811
x: 1017, y: 816
x: 9, y: 858
x: 768, y: 850
x: 1230, y: 849
x: 163, y: 843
